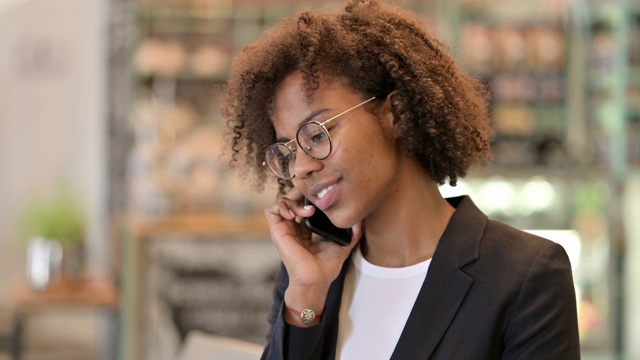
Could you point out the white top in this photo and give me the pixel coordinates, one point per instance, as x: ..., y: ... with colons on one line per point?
x: 376, y: 302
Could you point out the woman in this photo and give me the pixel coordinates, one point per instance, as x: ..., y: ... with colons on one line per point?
x: 364, y: 114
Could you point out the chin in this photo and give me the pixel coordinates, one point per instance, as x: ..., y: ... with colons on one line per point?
x: 341, y: 219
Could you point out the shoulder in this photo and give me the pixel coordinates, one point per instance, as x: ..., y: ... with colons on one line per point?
x: 506, y: 242
x: 501, y: 235
x: 510, y: 258
x: 471, y: 237
x: 495, y: 246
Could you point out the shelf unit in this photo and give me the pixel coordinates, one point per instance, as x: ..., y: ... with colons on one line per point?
x: 520, y: 51
x: 183, y: 272
x: 180, y: 60
x: 581, y: 143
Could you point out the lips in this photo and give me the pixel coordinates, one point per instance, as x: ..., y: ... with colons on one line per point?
x: 324, y: 191
x: 324, y: 194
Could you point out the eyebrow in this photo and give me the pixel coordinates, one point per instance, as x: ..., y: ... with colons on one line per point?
x: 306, y: 119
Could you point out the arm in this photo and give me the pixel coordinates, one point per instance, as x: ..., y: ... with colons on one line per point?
x: 284, y: 341
x: 310, y: 266
x: 544, y: 323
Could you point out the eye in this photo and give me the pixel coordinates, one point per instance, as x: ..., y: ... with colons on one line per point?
x: 317, y: 135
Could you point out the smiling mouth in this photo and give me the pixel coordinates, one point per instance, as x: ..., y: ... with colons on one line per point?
x: 324, y: 191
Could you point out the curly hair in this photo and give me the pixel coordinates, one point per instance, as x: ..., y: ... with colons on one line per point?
x: 440, y: 111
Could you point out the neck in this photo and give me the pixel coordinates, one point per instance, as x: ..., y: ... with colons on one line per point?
x: 407, y: 226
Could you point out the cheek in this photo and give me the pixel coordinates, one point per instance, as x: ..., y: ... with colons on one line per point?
x: 369, y: 158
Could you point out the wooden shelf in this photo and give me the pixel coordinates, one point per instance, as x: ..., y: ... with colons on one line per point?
x: 201, y: 224
x: 85, y: 292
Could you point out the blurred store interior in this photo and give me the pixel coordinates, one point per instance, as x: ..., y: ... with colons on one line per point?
x: 117, y: 102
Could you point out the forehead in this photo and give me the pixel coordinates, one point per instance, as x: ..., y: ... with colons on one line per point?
x: 290, y: 97
x: 292, y: 106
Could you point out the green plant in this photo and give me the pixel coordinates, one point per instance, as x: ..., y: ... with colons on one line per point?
x: 58, y: 217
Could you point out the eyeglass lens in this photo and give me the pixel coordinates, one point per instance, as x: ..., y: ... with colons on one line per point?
x: 280, y: 158
x: 314, y: 141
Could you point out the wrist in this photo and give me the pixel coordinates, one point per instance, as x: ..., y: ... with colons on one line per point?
x: 306, y: 316
x: 299, y: 302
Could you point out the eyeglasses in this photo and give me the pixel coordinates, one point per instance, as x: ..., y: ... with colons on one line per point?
x: 314, y: 139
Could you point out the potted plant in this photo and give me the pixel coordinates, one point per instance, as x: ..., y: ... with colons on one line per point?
x: 57, y: 221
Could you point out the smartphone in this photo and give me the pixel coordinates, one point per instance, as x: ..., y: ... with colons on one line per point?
x: 320, y: 224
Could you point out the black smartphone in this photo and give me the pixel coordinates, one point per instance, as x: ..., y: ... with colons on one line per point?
x: 320, y: 224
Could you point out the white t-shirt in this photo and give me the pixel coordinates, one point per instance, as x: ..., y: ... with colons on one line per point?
x: 376, y: 302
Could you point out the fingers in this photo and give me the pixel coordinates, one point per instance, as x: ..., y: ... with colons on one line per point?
x: 284, y: 218
x: 284, y: 208
x: 294, y: 194
x: 290, y: 235
x: 290, y: 209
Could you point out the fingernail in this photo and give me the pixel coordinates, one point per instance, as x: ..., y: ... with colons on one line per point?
x: 308, y: 207
x: 292, y: 213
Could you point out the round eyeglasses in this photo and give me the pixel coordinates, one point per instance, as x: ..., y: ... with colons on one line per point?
x: 312, y: 137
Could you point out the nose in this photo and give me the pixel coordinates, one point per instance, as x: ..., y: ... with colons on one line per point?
x: 305, y: 165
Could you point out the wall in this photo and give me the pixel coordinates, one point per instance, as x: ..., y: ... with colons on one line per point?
x: 51, y: 115
x: 52, y: 118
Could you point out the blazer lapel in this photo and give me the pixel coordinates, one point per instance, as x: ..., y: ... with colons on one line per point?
x: 445, y: 286
x: 435, y: 307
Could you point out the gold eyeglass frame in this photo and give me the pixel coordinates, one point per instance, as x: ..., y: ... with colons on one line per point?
x: 306, y: 149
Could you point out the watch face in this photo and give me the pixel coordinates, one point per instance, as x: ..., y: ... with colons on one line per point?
x: 307, y: 316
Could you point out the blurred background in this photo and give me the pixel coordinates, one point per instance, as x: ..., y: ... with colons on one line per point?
x: 110, y: 144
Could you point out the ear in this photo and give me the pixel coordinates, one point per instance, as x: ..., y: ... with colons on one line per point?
x: 386, y: 112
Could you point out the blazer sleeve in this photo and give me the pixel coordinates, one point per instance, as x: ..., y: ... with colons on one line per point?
x: 544, y: 323
x: 285, y: 341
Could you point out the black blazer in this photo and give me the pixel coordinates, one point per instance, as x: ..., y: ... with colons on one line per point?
x: 492, y: 292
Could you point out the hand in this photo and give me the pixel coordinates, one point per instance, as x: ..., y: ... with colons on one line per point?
x: 312, y: 262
